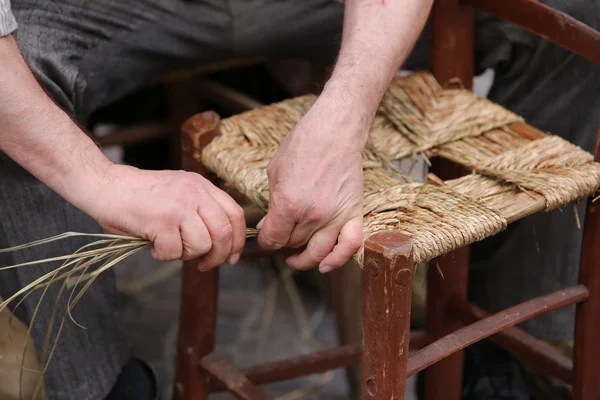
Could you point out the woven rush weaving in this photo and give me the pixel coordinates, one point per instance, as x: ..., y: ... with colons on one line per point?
x: 512, y: 174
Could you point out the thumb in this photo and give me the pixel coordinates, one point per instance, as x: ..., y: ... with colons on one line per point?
x: 274, y: 231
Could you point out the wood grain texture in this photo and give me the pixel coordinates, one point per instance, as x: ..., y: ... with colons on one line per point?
x: 525, y: 347
x: 488, y: 326
x: 388, y: 277
x: 199, y: 290
x: 453, y: 38
x: 236, y: 382
x: 587, y: 326
x: 546, y: 22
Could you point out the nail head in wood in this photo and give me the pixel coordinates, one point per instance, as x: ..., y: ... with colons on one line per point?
x: 403, y: 276
x: 373, y: 268
x: 371, y: 387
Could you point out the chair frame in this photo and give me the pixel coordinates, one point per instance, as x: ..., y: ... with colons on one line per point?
x: 452, y: 323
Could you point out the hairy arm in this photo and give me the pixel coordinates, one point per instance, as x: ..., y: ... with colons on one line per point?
x: 182, y: 213
x: 378, y: 37
x: 42, y: 138
x: 315, y: 178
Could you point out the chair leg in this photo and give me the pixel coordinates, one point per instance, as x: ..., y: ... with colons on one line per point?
x: 346, y: 283
x: 453, y: 38
x: 388, y: 276
x: 183, y: 101
x: 199, y: 290
x: 587, y: 326
x: 197, y: 326
x: 443, y: 380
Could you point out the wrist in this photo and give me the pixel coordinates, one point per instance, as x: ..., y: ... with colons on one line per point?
x: 84, y: 178
x: 349, y: 109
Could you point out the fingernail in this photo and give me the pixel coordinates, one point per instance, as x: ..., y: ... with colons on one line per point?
x: 261, y: 222
x: 325, y: 269
x: 233, y: 259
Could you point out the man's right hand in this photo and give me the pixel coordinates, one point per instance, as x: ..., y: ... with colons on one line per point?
x: 183, y: 214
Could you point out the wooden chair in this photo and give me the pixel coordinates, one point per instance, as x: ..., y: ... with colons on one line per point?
x: 452, y: 322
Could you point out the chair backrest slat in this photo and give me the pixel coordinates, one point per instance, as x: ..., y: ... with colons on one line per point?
x: 546, y: 22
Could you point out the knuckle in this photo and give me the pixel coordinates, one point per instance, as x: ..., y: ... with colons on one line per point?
x: 296, y: 243
x: 169, y: 216
x: 204, y: 247
x: 224, y: 233
x: 271, y: 243
x: 167, y: 245
x: 288, y: 205
x: 316, y: 215
x: 316, y: 255
x: 187, y: 256
x: 196, y: 250
x: 186, y: 181
x: 353, y: 243
x: 166, y: 253
x: 238, y: 212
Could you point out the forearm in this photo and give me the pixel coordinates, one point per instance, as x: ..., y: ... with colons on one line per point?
x: 42, y: 138
x: 378, y: 37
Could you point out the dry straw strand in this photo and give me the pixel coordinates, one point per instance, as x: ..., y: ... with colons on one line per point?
x: 418, y: 116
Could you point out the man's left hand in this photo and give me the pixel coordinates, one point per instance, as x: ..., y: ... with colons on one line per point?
x: 316, y: 189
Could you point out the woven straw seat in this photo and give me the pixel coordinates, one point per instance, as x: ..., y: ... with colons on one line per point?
x: 516, y: 170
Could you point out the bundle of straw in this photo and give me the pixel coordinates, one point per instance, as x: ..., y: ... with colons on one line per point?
x: 77, y: 273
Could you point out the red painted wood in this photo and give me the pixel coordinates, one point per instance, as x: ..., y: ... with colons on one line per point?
x: 388, y: 277
x: 452, y: 42
x: 315, y: 363
x: 486, y: 327
x: 199, y: 290
x: 532, y: 351
x: 197, y: 132
x: 452, y: 56
x: 587, y: 327
x: 546, y: 22
x: 236, y: 382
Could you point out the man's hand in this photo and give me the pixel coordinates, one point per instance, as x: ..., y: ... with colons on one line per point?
x: 183, y: 214
x: 316, y: 190
x: 315, y: 178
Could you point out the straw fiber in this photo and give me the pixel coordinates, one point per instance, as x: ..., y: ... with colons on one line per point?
x: 514, y: 172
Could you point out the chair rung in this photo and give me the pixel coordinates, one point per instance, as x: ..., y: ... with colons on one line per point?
x: 523, y: 346
x: 235, y: 381
x: 325, y: 360
x: 488, y: 326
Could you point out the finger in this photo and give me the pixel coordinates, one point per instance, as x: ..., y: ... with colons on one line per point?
x: 235, y: 213
x: 220, y: 230
x: 167, y: 246
x: 349, y: 243
x: 318, y: 247
x: 194, y: 237
x: 301, y: 234
x: 275, y: 230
